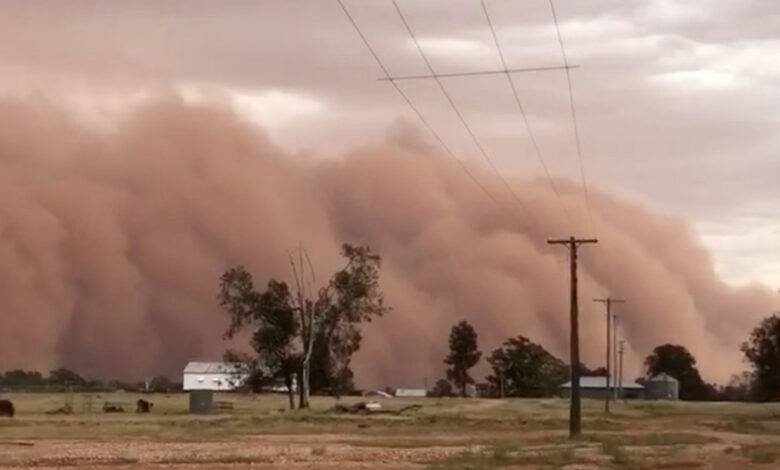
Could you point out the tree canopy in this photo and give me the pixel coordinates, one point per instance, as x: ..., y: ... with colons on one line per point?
x: 300, y: 333
x: 442, y: 388
x: 464, y: 354
x: 678, y: 362
x: 762, y: 349
x: 522, y: 368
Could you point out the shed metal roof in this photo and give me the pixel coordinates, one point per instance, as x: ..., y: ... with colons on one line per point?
x: 601, y: 382
x: 215, y: 368
x: 663, y: 377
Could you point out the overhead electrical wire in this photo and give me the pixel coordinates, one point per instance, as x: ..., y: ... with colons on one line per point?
x: 573, y: 109
x: 516, y: 95
x: 414, y: 108
x: 457, y: 111
x: 575, y: 124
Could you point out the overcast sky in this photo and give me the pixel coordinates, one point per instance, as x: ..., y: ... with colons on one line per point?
x: 677, y: 100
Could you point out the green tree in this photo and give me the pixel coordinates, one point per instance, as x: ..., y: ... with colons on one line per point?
x: 464, y: 354
x: 162, y: 384
x: 522, y: 368
x: 271, y: 315
x: 741, y: 387
x: 678, y: 362
x: 442, y: 388
x: 66, y: 378
x: 20, y: 379
x: 328, y: 373
x: 762, y: 349
x: 290, y: 325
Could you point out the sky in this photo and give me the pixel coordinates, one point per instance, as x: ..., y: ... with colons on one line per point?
x: 676, y: 101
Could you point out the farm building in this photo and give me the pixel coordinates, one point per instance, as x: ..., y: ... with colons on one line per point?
x: 596, y: 387
x: 202, y: 379
x: 411, y: 392
x: 663, y: 387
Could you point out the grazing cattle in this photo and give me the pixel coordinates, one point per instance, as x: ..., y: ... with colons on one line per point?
x: 6, y: 408
x: 143, y: 406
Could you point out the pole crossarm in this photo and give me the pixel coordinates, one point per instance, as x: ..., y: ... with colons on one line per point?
x: 477, y: 73
x: 572, y: 240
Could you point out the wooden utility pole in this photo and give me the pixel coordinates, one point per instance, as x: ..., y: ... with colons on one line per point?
x: 575, y: 411
x: 608, y: 302
x: 620, y: 370
x: 615, y: 383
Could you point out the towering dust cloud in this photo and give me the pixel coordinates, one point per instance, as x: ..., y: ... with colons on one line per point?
x: 113, y: 242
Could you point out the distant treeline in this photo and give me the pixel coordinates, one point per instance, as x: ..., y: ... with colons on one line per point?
x: 522, y: 368
x: 65, y: 380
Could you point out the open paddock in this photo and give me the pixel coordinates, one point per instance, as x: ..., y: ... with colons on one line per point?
x: 442, y: 433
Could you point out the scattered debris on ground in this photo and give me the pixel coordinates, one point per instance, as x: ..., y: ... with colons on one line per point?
x: 363, y: 408
x: 65, y: 409
x: 109, y: 407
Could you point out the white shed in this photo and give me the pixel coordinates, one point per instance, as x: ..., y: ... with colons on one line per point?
x: 215, y: 376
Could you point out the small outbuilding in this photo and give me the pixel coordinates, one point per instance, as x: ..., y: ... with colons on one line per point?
x: 411, y: 392
x: 663, y: 387
x: 202, y: 379
x: 596, y: 387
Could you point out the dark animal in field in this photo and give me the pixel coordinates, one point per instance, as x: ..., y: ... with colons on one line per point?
x: 6, y: 408
x: 112, y: 408
x: 143, y: 406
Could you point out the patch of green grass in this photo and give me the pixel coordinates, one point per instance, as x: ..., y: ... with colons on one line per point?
x: 319, y: 451
x: 761, y: 454
x: 507, y: 455
x: 614, y: 449
x: 59, y: 462
x: 615, y: 446
x: 474, y: 460
x: 559, y: 458
x: 655, y: 408
x: 651, y: 439
x: 747, y: 425
x: 605, y: 424
x: 672, y: 438
x: 414, y: 442
x: 219, y: 460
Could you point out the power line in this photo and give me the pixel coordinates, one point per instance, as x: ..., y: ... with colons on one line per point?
x: 481, y: 72
x: 516, y: 95
x: 575, y: 124
x: 416, y: 111
x: 573, y: 112
x: 457, y: 111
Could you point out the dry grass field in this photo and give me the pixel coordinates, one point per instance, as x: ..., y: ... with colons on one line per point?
x: 441, y: 434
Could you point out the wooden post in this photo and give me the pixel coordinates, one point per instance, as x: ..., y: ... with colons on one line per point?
x: 575, y: 410
x: 608, y: 302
